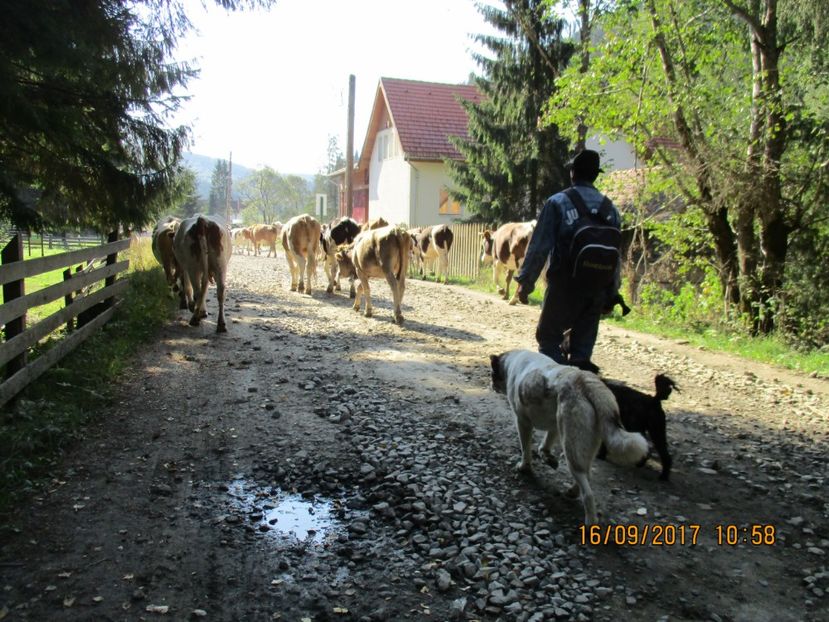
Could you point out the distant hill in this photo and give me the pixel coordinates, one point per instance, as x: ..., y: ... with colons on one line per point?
x: 204, y: 165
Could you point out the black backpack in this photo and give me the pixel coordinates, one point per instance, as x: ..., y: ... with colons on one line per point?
x: 593, y: 254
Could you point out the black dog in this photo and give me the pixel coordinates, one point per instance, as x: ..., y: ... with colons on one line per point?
x: 643, y: 413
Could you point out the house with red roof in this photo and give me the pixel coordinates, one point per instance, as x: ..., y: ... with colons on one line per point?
x: 401, y: 174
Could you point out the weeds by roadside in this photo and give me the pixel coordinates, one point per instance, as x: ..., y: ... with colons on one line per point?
x: 693, y: 328
x: 52, y: 412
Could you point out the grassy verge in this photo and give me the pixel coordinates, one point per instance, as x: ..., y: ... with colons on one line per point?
x: 772, y: 350
x: 51, y: 413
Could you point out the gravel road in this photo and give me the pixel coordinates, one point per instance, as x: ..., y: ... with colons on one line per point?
x: 314, y: 464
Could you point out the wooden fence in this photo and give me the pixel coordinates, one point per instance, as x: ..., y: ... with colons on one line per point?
x: 465, y: 255
x: 84, y: 299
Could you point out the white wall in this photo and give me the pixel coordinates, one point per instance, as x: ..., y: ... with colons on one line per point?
x: 428, y: 179
x: 389, y: 180
x: 615, y: 154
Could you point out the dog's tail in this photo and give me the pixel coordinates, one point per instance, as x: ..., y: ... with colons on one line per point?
x: 624, y: 447
x: 664, y: 386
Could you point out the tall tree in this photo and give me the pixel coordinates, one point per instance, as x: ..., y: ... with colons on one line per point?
x: 712, y: 77
x: 260, y: 192
x: 87, y: 90
x: 219, y: 180
x: 511, y: 162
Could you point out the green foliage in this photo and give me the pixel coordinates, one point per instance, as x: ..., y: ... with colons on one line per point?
x: 510, y: 163
x: 269, y: 196
x: 51, y: 414
x: 745, y: 153
x: 88, y: 90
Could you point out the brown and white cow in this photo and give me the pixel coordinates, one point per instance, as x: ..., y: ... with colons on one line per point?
x: 241, y: 238
x: 162, y: 243
x: 340, y: 231
x: 301, y: 240
x: 434, y: 243
x: 376, y: 223
x: 505, y: 249
x: 202, y: 247
x: 266, y: 234
x: 378, y: 253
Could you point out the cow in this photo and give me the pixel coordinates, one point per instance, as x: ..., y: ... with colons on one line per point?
x: 377, y: 223
x: 301, y: 240
x: 376, y: 253
x: 239, y: 236
x: 434, y: 243
x: 162, y: 244
x: 505, y: 249
x: 340, y: 231
x: 202, y: 247
x: 266, y: 234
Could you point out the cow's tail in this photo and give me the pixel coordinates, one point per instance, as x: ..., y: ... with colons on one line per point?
x: 201, y: 239
x: 624, y: 447
x: 403, y: 246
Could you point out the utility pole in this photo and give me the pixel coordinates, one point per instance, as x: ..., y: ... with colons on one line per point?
x: 228, y: 189
x: 349, y: 150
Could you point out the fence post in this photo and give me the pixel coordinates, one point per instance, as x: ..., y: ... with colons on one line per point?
x: 15, y: 289
x: 111, y: 259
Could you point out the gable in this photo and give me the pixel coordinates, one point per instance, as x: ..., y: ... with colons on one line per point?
x: 425, y: 115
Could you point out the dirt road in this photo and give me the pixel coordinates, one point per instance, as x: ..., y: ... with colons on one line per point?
x: 313, y: 464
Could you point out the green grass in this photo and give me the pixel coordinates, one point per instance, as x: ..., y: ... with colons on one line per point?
x: 51, y: 414
x: 772, y: 350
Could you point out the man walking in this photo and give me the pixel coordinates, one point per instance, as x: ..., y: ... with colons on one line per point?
x: 579, y: 230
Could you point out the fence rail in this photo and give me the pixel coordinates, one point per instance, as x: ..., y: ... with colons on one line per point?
x: 92, y: 305
x: 465, y: 254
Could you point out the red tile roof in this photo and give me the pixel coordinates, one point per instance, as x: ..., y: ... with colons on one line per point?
x: 426, y: 113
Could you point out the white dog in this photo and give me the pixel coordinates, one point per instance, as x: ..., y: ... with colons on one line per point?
x: 569, y: 404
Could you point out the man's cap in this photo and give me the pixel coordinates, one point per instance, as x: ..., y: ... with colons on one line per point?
x: 585, y: 164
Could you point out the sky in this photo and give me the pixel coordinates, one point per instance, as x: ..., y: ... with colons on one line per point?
x: 274, y: 84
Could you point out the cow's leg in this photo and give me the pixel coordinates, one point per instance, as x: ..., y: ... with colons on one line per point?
x: 186, y: 300
x: 331, y: 272
x: 220, y: 297
x: 398, y: 304
x: 366, y: 292
x: 311, y: 270
x: 292, y: 268
x: 507, y: 283
x: 351, y: 291
x: 496, y: 276
x: 301, y: 261
x: 394, y: 286
x: 443, y: 262
x: 200, y: 297
x: 358, y: 294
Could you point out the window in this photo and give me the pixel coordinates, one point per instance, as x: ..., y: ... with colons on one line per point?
x: 447, y: 204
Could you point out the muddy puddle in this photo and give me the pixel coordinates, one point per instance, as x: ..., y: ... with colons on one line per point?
x: 284, y: 515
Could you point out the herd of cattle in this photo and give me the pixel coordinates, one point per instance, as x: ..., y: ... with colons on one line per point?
x: 195, y: 252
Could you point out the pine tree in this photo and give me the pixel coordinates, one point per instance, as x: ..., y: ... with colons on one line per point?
x: 511, y: 164
x: 87, y: 87
x: 216, y: 203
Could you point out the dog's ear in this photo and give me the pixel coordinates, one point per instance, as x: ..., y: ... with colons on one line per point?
x: 664, y: 385
x: 496, y: 373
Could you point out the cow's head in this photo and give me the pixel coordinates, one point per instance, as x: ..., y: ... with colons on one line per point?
x: 343, y: 230
x: 486, y: 247
x: 345, y: 265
